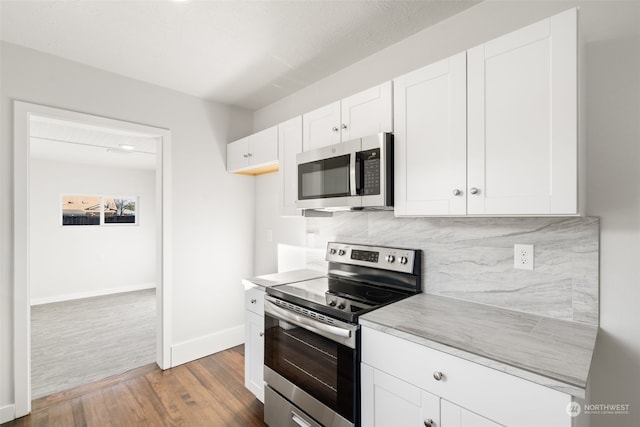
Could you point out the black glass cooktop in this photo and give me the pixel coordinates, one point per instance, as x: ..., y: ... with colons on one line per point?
x: 340, y: 298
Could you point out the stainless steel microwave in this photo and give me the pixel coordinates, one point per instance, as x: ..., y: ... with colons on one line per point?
x: 356, y: 174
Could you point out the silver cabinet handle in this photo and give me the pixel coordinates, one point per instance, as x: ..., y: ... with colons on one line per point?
x: 429, y: 423
x: 245, y: 155
x: 437, y: 375
x: 457, y: 192
x: 249, y: 154
x: 344, y: 126
x: 474, y: 190
x: 335, y: 129
x: 253, y: 300
x: 261, y: 333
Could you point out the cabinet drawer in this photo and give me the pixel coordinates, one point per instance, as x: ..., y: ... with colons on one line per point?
x: 507, y: 399
x: 254, y: 300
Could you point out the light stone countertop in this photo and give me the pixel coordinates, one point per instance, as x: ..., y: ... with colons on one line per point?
x: 553, y: 353
x: 275, y: 279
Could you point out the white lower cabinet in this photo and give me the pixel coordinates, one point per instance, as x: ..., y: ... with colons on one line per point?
x: 455, y: 416
x: 254, y: 342
x: 408, y: 384
x: 390, y: 402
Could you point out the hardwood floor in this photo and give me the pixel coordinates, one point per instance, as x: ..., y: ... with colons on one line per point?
x: 206, y: 392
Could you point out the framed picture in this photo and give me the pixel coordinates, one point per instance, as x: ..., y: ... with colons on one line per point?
x: 81, y: 210
x: 99, y: 210
x: 120, y: 210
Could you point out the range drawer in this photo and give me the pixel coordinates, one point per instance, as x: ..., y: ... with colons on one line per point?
x: 279, y: 412
x: 507, y: 399
x: 254, y: 300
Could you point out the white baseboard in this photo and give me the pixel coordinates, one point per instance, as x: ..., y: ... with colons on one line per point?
x: 89, y: 294
x: 203, y: 346
x: 7, y: 413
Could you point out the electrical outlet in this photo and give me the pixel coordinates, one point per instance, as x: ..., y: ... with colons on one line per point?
x: 523, y: 257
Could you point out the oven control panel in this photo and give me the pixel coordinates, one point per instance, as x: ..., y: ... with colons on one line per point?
x: 394, y: 259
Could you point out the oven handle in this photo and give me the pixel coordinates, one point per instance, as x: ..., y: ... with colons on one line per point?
x: 335, y: 333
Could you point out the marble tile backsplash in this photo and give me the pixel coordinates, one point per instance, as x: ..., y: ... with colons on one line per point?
x: 472, y: 258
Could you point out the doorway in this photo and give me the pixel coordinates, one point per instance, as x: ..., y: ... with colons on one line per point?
x: 24, y: 116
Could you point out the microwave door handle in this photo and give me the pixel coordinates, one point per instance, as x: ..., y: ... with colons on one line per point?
x: 352, y: 173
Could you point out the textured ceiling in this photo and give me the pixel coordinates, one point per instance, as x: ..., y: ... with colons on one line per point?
x: 243, y: 53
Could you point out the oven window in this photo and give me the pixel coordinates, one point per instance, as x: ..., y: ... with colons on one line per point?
x: 321, y: 367
x: 324, y: 178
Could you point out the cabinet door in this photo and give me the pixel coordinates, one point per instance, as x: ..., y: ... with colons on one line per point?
x: 321, y: 127
x: 522, y: 107
x: 390, y: 402
x: 290, y: 144
x: 254, y: 354
x: 238, y: 154
x: 263, y: 147
x: 454, y: 416
x: 430, y: 139
x: 367, y: 112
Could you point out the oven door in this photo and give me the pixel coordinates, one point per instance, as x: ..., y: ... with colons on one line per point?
x: 312, y: 364
x: 327, y: 177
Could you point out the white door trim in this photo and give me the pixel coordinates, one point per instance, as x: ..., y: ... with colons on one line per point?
x: 22, y: 308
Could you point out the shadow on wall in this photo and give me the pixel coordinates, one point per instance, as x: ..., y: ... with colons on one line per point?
x: 613, y: 183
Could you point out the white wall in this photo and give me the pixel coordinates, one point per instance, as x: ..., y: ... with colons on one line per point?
x: 213, y: 212
x: 81, y: 261
x: 270, y: 227
x: 612, y: 32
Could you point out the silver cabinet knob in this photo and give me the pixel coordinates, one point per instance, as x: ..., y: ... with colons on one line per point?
x: 253, y: 300
x: 335, y: 129
x: 261, y: 333
x: 457, y: 192
x: 249, y: 154
x: 429, y: 423
x: 245, y: 155
x: 344, y: 126
x: 474, y: 190
x: 437, y: 375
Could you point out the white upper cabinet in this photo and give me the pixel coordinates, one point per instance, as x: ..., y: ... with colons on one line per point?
x: 522, y: 121
x: 321, y: 127
x: 493, y: 131
x: 430, y: 139
x: 254, y: 154
x: 365, y: 113
x: 290, y: 144
x: 237, y: 157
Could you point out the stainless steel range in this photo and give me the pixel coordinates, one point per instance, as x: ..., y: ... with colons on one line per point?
x: 312, y: 336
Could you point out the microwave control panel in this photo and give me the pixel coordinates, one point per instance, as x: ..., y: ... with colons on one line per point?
x: 371, y: 171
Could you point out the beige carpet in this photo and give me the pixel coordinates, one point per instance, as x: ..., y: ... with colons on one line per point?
x: 80, y: 341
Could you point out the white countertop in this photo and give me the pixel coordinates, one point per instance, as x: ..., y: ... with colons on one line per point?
x: 283, y: 278
x: 554, y: 353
